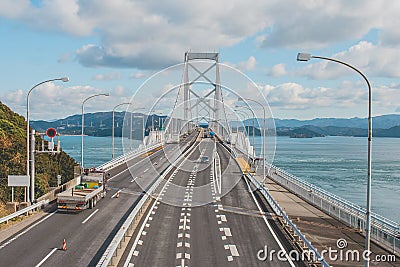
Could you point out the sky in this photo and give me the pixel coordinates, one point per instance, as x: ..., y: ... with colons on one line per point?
x: 114, y: 46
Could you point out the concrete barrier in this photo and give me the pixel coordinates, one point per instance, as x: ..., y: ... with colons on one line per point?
x: 52, y: 195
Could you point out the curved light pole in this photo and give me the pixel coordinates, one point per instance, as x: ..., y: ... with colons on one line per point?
x: 83, y: 121
x: 307, y: 57
x: 264, y: 134
x: 130, y: 135
x: 245, y: 117
x: 112, y: 132
x: 32, y: 182
x: 254, y: 117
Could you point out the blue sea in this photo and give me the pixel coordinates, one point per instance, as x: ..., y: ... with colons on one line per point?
x: 336, y: 164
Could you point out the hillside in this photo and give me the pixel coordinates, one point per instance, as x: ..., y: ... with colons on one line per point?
x: 13, y: 158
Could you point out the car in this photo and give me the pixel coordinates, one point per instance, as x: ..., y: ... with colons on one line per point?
x: 204, y: 159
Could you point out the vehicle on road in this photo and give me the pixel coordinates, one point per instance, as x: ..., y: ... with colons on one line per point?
x: 86, y: 194
x: 204, y: 159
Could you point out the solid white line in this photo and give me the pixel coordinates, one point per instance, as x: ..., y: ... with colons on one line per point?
x: 129, y: 167
x: 29, y: 228
x: 93, y: 213
x: 269, y: 226
x: 45, y: 258
x: 119, y: 191
x: 156, y: 202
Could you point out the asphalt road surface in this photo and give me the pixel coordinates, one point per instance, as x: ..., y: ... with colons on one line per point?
x: 89, y: 232
x: 190, y: 224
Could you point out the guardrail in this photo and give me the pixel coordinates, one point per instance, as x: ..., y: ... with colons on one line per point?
x: 383, y: 231
x: 123, y: 158
x: 306, y: 245
x: 123, y: 232
x: 23, y: 211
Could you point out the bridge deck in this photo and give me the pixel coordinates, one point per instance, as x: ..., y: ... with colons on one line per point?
x: 323, y: 230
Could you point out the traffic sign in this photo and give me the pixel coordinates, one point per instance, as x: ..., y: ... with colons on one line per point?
x: 51, y: 132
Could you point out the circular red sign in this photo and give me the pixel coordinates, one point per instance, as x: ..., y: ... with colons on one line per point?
x: 51, y: 132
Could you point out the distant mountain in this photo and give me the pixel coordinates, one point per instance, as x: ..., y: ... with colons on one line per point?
x: 100, y: 124
x: 379, y: 122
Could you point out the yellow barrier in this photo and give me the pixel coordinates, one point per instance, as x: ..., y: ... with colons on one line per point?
x: 243, y: 165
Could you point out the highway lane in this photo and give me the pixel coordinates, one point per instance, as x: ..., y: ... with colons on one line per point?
x: 189, y: 231
x: 86, y: 236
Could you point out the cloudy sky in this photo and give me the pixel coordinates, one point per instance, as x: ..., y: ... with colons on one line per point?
x: 115, y: 45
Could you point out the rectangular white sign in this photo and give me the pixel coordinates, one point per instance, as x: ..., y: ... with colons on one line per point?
x: 18, y: 180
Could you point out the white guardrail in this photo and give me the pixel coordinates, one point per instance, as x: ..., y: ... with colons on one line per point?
x: 383, y: 231
x: 23, y: 211
x: 123, y: 158
x: 122, y: 233
x: 306, y: 245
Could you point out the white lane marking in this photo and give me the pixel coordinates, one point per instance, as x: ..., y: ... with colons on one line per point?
x: 45, y: 258
x: 234, y: 251
x: 130, y: 167
x: 133, y: 179
x: 134, y: 252
x: 27, y: 229
x: 269, y: 226
x: 119, y: 191
x: 90, y: 216
x: 145, y: 170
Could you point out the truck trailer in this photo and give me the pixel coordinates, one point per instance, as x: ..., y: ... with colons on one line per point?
x: 85, y: 195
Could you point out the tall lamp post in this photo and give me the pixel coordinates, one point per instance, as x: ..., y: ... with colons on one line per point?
x: 254, y: 116
x: 83, y: 120
x: 264, y: 134
x: 28, y: 171
x: 112, y: 134
x: 307, y: 57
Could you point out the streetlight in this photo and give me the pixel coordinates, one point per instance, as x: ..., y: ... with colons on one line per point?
x: 83, y: 120
x: 264, y: 126
x: 112, y: 134
x: 254, y: 116
x: 32, y: 176
x: 307, y: 57
x: 245, y: 117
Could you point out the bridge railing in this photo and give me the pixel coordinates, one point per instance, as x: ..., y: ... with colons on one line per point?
x: 383, y: 231
x: 314, y: 255
x: 23, y: 211
x: 121, y: 159
x: 129, y: 225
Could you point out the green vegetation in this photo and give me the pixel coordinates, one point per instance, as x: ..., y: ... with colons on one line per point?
x: 13, y: 158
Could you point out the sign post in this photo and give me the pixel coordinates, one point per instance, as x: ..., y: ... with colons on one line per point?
x: 17, y: 180
x: 58, y: 180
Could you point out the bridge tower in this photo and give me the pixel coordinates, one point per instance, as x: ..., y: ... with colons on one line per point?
x: 202, y: 70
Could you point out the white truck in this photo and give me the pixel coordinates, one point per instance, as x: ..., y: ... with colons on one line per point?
x: 85, y: 195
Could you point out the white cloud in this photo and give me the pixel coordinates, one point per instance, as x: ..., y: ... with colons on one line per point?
x: 108, y: 76
x: 372, y: 60
x: 153, y: 34
x: 278, y: 70
x: 45, y: 101
x: 247, y: 65
x: 349, y: 95
x: 138, y: 75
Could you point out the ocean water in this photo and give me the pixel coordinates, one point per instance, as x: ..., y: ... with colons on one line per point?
x: 339, y: 165
x: 97, y: 150
x: 336, y: 164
